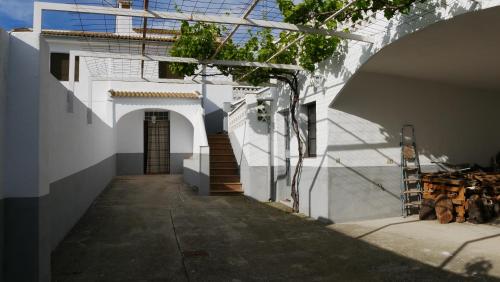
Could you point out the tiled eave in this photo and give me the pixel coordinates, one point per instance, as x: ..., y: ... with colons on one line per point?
x: 163, y: 95
x: 104, y: 35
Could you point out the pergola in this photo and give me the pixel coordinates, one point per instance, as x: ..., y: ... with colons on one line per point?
x: 237, y: 18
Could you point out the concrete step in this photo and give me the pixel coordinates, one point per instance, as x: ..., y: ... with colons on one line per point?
x: 224, y: 178
x: 220, y: 146
x: 222, y: 157
x: 219, y: 141
x: 225, y: 188
x: 224, y: 171
x: 223, y: 164
x: 218, y: 136
x: 219, y: 151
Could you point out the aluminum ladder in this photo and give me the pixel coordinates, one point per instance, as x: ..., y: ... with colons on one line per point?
x: 411, y: 183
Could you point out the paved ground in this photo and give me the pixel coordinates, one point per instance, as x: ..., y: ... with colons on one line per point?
x: 472, y: 250
x: 153, y: 228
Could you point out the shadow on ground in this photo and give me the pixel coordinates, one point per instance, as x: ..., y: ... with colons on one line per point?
x: 154, y: 228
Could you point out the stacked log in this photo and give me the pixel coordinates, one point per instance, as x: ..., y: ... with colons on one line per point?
x: 472, y: 196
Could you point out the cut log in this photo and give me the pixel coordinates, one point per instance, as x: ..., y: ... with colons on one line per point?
x: 444, y: 209
x: 427, y: 210
x: 476, y: 209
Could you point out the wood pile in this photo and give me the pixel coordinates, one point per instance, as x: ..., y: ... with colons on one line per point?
x: 460, y: 196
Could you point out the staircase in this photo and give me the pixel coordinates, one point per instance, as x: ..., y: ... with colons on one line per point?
x: 224, y: 171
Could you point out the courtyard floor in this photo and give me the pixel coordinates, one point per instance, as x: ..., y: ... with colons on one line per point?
x: 155, y: 228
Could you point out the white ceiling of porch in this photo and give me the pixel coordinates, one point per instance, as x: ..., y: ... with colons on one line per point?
x: 463, y: 51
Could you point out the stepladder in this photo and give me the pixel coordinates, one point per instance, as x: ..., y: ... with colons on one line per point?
x: 411, y: 182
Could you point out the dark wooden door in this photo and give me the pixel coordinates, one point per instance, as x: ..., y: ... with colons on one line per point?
x: 156, y: 147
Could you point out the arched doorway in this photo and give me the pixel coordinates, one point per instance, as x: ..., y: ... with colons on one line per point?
x: 153, y: 141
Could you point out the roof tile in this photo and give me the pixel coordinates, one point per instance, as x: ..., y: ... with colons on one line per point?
x: 143, y: 94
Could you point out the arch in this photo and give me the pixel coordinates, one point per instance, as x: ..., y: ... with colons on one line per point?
x: 464, y: 23
x: 188, y: 109
x: 432, y: 79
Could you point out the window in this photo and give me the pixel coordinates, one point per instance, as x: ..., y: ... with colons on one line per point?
x: 158, y: 116
x: 165, y: 72
x: 311, y: 130
x: 59, y: 66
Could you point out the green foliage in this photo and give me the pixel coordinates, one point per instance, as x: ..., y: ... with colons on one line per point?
x: 317, y: 48
x: 197, y: 41
x: 315, y: 11
x: 200, y: 40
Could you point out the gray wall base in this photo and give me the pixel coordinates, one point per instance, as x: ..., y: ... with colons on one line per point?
x: 129, y: 163
x: 177, y: 162
x: 71, y: 196
x: 27, y: 239
x: 358, y: 193
x: 133, y: 163
x: 255, y: 180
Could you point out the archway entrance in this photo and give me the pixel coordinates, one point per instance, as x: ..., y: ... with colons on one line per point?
x: 153, y: 140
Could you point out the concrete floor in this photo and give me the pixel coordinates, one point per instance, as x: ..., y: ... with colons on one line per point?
x: 154, y: 228
x: 472, y: 250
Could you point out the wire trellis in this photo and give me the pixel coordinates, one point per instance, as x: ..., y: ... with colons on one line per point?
x: 118, y: 34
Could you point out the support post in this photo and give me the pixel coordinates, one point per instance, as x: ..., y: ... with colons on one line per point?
x: 90, y: 100
x: 37, y: 17
x: 71, y: 83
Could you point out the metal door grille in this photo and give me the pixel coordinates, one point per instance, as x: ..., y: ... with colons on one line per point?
x: 157, y: 147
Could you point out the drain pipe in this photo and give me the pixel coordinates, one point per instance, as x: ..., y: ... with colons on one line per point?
x: 272, y: 192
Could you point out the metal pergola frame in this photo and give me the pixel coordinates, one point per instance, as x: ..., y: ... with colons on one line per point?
x: 39, y: 7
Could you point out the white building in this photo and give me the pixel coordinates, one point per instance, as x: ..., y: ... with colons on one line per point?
x: 435, y: 69
x: 63, y: 140
x: 67, y: 132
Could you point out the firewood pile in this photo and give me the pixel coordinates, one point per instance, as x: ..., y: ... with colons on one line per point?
x: 460, y: 196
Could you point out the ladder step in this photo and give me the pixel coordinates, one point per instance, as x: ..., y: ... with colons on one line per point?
x: 413, y: 204
x: 411, y: 168
x: 412, y: 191
x: 411, y: 179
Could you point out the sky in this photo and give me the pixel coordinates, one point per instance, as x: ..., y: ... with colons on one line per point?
x: 16, y: 13
x: 19, y: 13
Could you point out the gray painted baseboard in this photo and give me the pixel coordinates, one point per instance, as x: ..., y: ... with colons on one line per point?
x: 177, y: 162
x: 133, y: 163
x: 129, y: 163
x: 2, y: 237
x: 27, y: 249
x: 359, y: 193
x: 71, y: 196
x: 353, y: 193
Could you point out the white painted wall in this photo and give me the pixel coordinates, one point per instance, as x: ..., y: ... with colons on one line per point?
x: 453, y: 124
x: 181, y: 134
x: 4, y: 55
x: 216, y: 95
x: 250, y: 142
x: 109, y: 111
x: 25, y: 115
x: 74, y: 144
x: 129, y: 133
x: 365, y: 133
